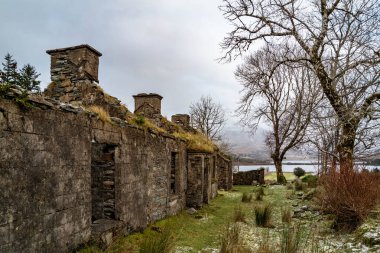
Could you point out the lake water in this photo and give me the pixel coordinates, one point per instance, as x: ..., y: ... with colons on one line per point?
x: 307, y: 166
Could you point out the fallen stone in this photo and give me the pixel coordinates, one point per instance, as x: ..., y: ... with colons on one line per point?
x: 70, y: 108
x: 191, y: 211
x: 40, y: 100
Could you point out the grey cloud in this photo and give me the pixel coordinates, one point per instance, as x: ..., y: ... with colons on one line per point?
x: 164, y: 46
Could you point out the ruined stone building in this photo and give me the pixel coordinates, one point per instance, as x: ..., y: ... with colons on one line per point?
x: 78, y: 164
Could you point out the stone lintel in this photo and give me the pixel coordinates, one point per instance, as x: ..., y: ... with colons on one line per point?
x: 59, y: 50
x: 148, y: 95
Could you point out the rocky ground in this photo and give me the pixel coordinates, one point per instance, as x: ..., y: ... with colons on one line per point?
x: 201, y: 231
x: 316, y: 234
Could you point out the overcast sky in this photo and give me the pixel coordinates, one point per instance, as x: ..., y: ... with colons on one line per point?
x: 168, y: 47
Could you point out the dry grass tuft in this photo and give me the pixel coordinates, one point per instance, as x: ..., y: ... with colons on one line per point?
x: 197, y: 142
x: 260, y: 194
x: 286, y: 215
x: 232, y: 240
x: 157, y: 243
x: 247, y: 197
x: 263, y: 215
x: 102, y: 114
x: 141, y: 121
x: 239, y: 215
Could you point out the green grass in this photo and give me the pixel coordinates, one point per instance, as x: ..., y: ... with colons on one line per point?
x: 207, y: 231
x: 195, y: 234
x: 190, y: 231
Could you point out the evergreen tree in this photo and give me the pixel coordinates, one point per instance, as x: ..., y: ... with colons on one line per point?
x: 27, y: 78
x: 9, y: 73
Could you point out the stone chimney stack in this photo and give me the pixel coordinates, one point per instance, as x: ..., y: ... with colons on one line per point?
x: 78, y: 63
x: 181, y: 120
x: 148, y: 105
x: 74, y: 75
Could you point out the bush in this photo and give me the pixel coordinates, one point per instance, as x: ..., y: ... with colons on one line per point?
x: 263, y: 215
x: 299, y: 172
x: 239, y: 215
x: 298, y: 185
x: 247, y: 197
x: 139, y: 120
x: 311, y: 180
x: 157, y: 243
x: 350, y: 196
x: 231, y: 241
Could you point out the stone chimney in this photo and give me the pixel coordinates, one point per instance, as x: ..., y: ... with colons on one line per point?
x: 74, y: 75
x: 181, y: 120
x: 78, y: 63
x: 148, y: 105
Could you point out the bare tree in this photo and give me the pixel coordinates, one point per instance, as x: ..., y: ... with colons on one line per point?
x: 208, y: 117
x: 323, y: 136
x: 340, y: 39
x: 283, y: 97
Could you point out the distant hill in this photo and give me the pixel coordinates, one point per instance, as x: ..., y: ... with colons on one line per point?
x: 253, y: 147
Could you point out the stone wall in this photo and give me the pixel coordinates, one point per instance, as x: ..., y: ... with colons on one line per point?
x: 224, y: 167
x: 204, y: 177
x: 66, y: 175
x: 248, y: 177
x: 45, y: 179
x: 53, y: 155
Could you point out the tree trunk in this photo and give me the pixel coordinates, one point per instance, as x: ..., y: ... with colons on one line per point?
x: 280, y: 175
x: 346, y: 146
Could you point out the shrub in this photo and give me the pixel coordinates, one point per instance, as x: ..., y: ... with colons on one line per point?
x: 89, y: 249
x: 139, y: 120
x: 4, y: 89
x: 349, y: 195
x: 247, y: 197
x: 376, y: 170
x: 286, y: 215
x: 231, y: 241
x: 263, y: 215
x: 157, y: 243
x: 239, y: 215
x: 299, y: 172
x: 260, y: 194
x: 311, y: 180
x: 102, y: 114
x: 298, y: 185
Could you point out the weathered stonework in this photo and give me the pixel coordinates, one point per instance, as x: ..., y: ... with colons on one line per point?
x: 148, y: 105
x: 224, y: 172
x: 249, y: 177
x: 74, y: 76
x: 202, y: 178
x: 66, y: 175
x: 75, y: 64
x: 182, y: 120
